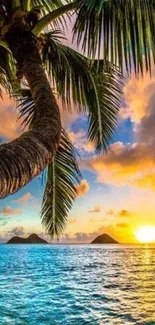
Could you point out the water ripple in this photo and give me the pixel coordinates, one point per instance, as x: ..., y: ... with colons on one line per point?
x: 77, y: 285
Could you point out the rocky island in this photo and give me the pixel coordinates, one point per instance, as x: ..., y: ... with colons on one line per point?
x: 104, y: 239
x: 32, y: 239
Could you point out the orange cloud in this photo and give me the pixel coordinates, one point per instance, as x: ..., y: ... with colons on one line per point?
x: 132, y: 164
x: 137, y: 95
x: 81, y: 142
x: 16, y: 231
x: 8, y: 211
x: 95, y: 209
x: 82, y: 188
x: 124, y: 213
x: 26, y: 197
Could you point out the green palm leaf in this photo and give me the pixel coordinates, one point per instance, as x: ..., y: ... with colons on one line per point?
x: 47, y: 7
x: 7, y: 70
x: 60, y: 191
x: 26, y: 106
x: 68, y: 70
x: 62, y: 176
x: 122, y: 31
x: 89, y: 89
x: 103, y: 116
x: 4, y: 83
x: 94, y: 90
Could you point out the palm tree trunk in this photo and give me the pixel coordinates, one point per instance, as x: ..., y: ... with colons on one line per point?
x: 24, y: 158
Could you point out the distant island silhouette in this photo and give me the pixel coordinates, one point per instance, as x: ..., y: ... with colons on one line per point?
x: 104, y: 239
x: 35, y: 239
x: 32, y: 239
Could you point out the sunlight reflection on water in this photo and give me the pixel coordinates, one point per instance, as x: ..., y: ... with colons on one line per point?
x: 77, y: 285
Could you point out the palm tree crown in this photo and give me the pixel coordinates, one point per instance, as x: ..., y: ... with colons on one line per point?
x: 113, y: 36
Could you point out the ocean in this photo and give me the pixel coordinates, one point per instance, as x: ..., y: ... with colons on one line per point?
x: 77, y: 284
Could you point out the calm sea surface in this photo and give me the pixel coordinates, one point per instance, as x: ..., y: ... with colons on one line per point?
x: 77, y: 285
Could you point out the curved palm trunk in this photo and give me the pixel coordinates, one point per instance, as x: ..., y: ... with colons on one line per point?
x: 24, y: 158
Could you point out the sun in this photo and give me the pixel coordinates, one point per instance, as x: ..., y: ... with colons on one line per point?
x: 145, y: 234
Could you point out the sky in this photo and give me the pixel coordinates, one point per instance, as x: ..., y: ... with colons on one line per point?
x: 117, y: 193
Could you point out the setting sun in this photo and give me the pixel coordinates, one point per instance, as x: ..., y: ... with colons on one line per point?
x: 145, y: 234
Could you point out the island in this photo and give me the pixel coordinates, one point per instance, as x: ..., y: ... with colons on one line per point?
x: 32, y: 239
x: 104, y: 239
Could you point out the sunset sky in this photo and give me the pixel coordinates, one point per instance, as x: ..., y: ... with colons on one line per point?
x: 117, y: 194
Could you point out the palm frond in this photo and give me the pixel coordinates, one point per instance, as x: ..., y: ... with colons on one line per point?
x: 62, y: 176
x: 6, y: 71
x: 47, y: 6
x: 89, y: 89
x: 7, y: 68
x: 4, y: 83
x: 60, y: 191
x: 69, y: 72
x: 103, y: 117
x: 26, y: 106
x: 121, y: 31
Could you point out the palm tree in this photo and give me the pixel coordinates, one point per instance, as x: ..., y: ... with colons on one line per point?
x: 36, y: 68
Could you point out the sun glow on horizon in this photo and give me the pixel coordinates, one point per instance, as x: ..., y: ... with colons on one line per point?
x: 145, y: 234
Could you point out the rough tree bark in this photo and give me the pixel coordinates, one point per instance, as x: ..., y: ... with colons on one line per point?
x: 24, y: 158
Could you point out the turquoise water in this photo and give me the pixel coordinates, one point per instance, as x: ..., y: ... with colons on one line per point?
x: 77, y: 285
